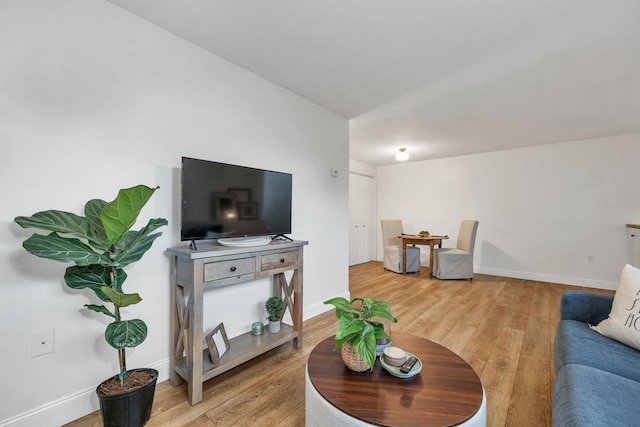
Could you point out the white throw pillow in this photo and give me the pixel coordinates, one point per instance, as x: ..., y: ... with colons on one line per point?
x: 623, y: 323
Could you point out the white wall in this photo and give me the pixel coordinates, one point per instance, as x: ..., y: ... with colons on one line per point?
x: 93, y: 99
x: 542, y: 210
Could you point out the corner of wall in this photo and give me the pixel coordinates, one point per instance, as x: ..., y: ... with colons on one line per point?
x: 360, y: 168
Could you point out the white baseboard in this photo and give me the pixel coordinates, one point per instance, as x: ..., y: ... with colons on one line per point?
x: 549, y: 278
x: 70, y: 407
x: 58, y: 412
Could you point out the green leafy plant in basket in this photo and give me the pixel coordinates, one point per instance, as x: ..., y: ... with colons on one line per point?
x: 100, y: 245
x: 358, y: 325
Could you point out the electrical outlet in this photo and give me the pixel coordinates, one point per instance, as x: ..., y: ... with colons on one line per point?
x: 42, y: 342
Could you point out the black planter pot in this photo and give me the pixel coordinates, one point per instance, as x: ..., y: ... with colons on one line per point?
x: 131, y: 408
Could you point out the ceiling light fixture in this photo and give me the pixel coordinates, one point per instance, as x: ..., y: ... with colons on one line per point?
x: 402, y: 155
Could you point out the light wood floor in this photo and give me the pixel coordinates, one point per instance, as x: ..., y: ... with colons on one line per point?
x: 502, y: 327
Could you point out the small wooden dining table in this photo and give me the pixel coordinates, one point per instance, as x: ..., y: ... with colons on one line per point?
x: 417, y: 239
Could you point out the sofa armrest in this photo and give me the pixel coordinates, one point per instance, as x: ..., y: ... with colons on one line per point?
x: 588, y: 307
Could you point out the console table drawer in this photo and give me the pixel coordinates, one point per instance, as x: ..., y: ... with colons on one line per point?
x: 284, y: 259
x: 224, y: 269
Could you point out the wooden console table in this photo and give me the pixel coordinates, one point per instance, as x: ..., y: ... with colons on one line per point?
x: 212, y: 266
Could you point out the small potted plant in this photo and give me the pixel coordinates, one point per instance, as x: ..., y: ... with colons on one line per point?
x: 274, y: 306
x: 100, y: 245
x: 358, y: 329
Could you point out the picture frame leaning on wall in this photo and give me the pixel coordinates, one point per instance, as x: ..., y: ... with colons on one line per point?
x: 218, y: 343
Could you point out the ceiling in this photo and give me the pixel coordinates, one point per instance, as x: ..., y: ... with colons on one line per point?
x: 440, y: 77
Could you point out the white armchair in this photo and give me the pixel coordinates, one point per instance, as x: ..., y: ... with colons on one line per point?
x: 391, y: 229
x: 457, y: 263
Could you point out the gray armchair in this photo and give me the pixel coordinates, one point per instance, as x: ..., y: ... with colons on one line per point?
x: 391, y: 229
x: 457, y: 263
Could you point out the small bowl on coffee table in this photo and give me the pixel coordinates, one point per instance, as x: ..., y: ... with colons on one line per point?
x: 394, y: 356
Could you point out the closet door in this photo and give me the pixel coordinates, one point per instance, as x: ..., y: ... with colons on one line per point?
x: 361, y: 217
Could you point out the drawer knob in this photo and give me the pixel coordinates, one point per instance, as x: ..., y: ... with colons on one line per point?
x: 233, y: 268
x: 281, y: 259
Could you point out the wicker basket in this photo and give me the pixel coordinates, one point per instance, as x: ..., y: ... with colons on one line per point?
x: 352, y: 359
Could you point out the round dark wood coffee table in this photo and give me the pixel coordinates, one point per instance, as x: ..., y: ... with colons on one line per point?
x: 447, y: 392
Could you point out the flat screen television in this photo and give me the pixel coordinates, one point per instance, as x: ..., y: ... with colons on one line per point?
x: 220, y: 200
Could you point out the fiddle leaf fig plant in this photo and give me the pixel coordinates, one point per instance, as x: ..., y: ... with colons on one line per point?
x: 358, y: 324
x: 100, y: 244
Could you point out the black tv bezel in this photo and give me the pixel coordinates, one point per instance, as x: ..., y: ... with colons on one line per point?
x: 199, y: 238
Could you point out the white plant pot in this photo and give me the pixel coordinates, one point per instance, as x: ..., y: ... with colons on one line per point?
x: 274, y: 326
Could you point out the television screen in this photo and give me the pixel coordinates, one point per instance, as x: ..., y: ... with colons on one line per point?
x: 221, y: 200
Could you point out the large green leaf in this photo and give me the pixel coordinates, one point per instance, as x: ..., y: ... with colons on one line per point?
x: 137, y: 243
x: 63, y: 249
x: 343, y: 308
x: 58, y: 221
x: 346, y: 338
x: 339, y: 303
x: 95, y: 277
x: 100, y: 309
x: 120, y: 299
x: 126, y: 333
x: 365, y: 345
x: 119, y: 216
x: 347, y: 326
x: 98, y: 237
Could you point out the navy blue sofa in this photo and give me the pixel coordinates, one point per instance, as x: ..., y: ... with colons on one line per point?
x: 597, y: 379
